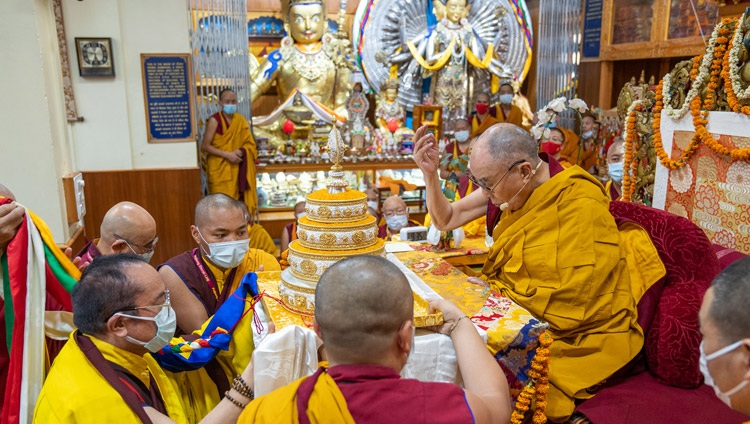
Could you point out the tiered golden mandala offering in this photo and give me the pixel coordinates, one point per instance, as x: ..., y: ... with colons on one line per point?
x: 336, y: 226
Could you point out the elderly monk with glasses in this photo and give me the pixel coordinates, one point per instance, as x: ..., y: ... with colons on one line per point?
x: 556, y: 251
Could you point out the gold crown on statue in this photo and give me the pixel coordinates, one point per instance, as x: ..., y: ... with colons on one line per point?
x: 296, y: 2
x: 389, y: 83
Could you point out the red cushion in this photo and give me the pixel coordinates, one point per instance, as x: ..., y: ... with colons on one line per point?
x: 641, y: 399
x: 672, y: 340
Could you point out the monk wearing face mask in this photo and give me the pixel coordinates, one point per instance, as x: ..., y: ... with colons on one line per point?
x: 483, y: 116
x: 201, y: 279
x: 456, y: 157
x: 506, y: 111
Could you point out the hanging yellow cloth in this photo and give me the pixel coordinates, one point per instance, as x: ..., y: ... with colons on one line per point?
x: 223, y: 176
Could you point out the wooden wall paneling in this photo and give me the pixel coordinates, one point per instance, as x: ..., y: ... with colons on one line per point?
x: 627, y: 69
x: 605, y: 90
x: 169, y: 195
x: 589, y: 80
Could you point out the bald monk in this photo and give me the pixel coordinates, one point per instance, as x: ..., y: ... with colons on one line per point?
x: 368, y: 334
x: 229, y: 153
x: 200, y: 279
x: 556, y: 252
x: 396, y: 215
x: 126, y: 228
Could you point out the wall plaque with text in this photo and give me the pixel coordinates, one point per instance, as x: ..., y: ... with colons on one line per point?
x: 592, y: 28
x: 168, y: 96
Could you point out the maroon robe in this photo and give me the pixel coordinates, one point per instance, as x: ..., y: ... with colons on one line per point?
x: 376, y: 393
x: 185, y: 267
x: 383, y: 229
x: 89, y: 252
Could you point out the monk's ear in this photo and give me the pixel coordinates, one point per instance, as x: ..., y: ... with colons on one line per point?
x: 116, y: 326
x: 406, y: 337
x: 316, y: 328
x: 194, y: 233
x: 119, y: 246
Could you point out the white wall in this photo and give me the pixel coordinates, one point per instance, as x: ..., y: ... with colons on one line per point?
x: 113, y: 135
x: 38, y: 146
x: 32, y: 152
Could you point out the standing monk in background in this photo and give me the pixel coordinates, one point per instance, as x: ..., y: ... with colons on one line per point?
x: 229, y: 153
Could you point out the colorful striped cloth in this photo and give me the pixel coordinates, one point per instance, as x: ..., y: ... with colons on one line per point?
x: 36, y: 277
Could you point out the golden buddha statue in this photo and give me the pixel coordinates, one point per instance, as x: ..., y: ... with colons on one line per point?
x: 389, y: 114
x: 310, y: 59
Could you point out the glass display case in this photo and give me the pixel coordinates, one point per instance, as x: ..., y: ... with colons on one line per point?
x: 281, y: 185
x: 633, y: 23
x: 692, y: 19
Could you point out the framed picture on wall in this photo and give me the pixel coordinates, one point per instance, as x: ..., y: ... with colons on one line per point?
x: 95, y: 57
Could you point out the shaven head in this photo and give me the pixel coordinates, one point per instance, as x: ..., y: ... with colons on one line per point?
x: 5, y: 192
x: 361, y: 303
x: 507, y: 142
x: 129, y: 221
x: 729, y: 309
x: 206, y: 205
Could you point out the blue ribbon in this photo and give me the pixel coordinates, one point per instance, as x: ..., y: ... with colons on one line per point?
x: 226, y: 317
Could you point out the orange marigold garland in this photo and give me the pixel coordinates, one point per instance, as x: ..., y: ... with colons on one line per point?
x: 700, y: 117
x: 628, y: 182
x: 536, y: 389
x: 658, y: 145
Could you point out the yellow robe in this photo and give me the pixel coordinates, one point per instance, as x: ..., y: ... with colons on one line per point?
x: 569, y: 151
x: 260, y: 239
x: 75, y: 391
x: 515, y: 116
x: 223, y: 176
x: 326, y: 405
x: 477, y: 128
x: 562, y: 258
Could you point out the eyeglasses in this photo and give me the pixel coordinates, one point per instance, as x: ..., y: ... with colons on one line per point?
x: 390, y: 213
x: 167, y: 302
x: 494, y: 186
x: 148, y: 247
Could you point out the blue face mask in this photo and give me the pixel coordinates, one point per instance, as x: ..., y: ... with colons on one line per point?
x: 506, y: 99
x: 551, y: 124
x: 230, y: 109
x: 615, y: 171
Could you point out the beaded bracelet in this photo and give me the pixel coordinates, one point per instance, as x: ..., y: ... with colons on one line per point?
x: 242, y: 387
x: 455, y: 324
x: 234, y: 401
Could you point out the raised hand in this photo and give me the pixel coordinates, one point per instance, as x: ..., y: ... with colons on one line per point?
x: 426, y: 154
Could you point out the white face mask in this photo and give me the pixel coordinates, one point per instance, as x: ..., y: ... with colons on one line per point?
x: 461, y: 136
x: 146, y: 256
x: 372, y: 204
x: 703, y: 363
x: 228, y: 254
x: 166, y: 324
x: 588, y: 134
x: 301, y: 214
x: 396, y: 222
x: 506, y: 99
